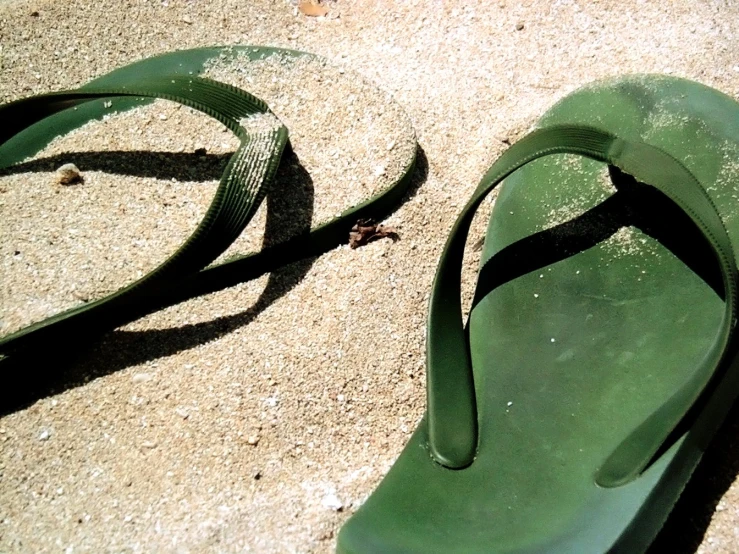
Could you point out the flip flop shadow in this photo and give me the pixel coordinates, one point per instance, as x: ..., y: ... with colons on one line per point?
x: 289, y: 213
x: 655, y: 215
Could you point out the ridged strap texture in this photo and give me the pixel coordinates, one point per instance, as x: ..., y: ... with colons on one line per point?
x: 452, y: 412
x: 242, y: 187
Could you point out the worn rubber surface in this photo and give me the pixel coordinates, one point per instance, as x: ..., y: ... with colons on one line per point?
x: 592, y: 343
x: 30, y: 124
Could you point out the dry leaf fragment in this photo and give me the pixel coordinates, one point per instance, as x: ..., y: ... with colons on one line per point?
x: 366, y: 231
x: 312, y: 8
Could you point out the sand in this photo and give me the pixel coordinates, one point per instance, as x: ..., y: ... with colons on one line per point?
x: 260, y: 417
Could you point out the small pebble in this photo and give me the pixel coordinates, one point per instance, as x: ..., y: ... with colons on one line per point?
x: 332, y: 502
x: 182, y: 412
x: 142, y: 377
x: 81, y: 296
x: 519, y: 26
x: 44, y: 436
x: 253, y: 440
x: 68, y: 174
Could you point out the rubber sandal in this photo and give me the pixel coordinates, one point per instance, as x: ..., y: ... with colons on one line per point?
x: 30, y: 124
x: 600, y: 356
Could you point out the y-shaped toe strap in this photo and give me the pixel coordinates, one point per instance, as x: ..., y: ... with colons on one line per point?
x: 452, y: 413
x: 242, y: 187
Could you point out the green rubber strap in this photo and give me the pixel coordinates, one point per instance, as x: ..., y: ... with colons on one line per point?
x: 241, y: 189
x: 452, y: 411
x: 228, y: 215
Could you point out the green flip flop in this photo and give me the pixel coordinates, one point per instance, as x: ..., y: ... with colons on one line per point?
x: 32, y: 123
x: 599, y: 357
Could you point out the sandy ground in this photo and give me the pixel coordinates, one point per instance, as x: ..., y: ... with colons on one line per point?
x: 260, y: 417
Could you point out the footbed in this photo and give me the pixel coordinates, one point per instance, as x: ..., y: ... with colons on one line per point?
x: 570, y: 356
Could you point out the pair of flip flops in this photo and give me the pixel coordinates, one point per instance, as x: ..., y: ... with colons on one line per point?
x: 599, y: 357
